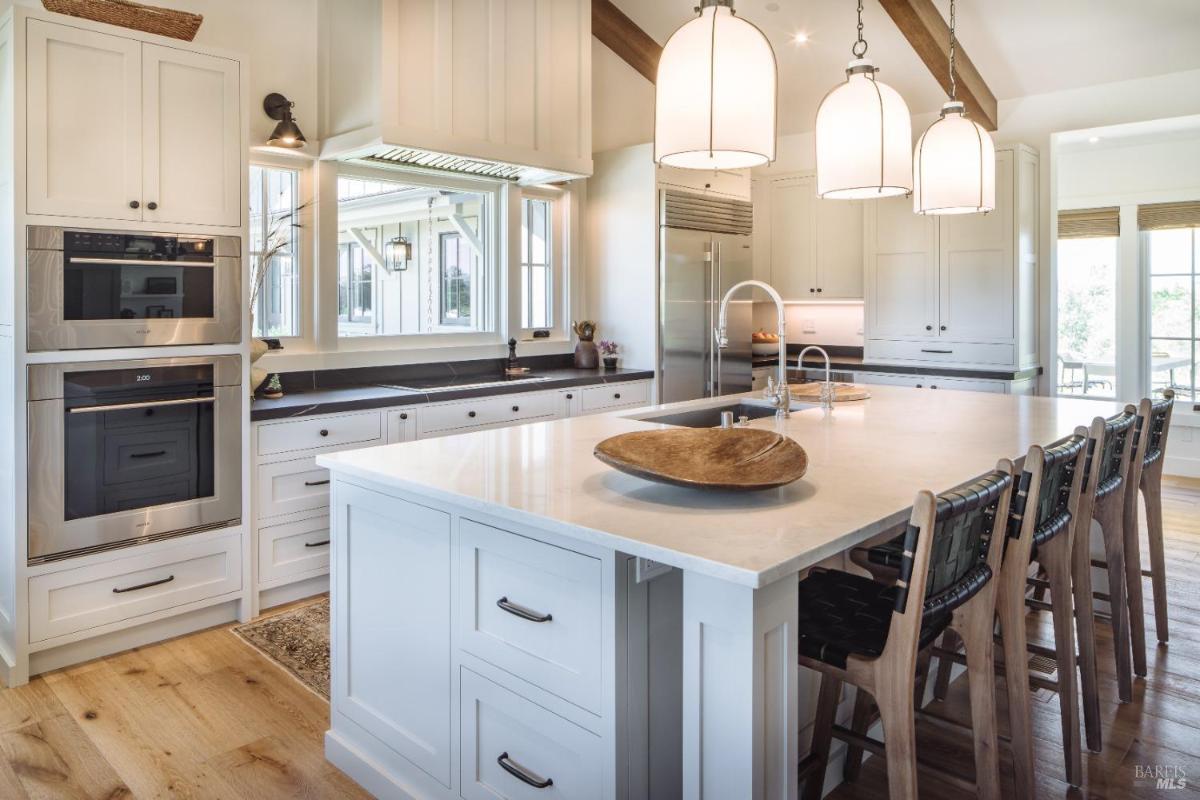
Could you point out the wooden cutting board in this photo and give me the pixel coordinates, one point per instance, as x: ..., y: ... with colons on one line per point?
x: 842, y: 392
x: 738, y: 459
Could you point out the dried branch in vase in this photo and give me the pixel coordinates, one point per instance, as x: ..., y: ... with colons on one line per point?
x: 278, y: 237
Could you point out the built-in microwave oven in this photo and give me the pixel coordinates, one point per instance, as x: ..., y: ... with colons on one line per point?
x: 93, y: 288
x: 125, y: 452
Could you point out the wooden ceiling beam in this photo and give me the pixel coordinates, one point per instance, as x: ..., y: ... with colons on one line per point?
x: 925, y: 29
x: 622, y: 35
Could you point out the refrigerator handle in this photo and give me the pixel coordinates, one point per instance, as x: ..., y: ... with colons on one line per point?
x: 717, y: 295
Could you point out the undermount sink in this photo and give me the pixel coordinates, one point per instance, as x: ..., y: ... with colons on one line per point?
x: 711, y: 417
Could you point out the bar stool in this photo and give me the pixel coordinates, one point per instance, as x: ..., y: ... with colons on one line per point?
x: 854, y: 630
x: 1145, y: 474
x: 1040, y: 531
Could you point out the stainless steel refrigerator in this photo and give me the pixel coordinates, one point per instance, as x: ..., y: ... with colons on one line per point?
x: 705, y: 248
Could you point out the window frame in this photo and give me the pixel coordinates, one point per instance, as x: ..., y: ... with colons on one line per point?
x: 560, y: 250
x: 1053, y: 369
x: 443, y: 291
x: 1146, y: 326
x: 300, y: 246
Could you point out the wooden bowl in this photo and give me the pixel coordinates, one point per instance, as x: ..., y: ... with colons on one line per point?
x: 733, y: 459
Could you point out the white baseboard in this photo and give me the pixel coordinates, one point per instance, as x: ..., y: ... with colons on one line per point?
x: 291, y: 592
x: 1183, y: 467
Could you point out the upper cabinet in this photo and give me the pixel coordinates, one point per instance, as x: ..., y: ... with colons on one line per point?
x: 502, y: 81
x: 957, y: 290
x: 124, y: 130
x: 807, y: 248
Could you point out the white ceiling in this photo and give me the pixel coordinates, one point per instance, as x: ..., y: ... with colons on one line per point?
x: 1021, y: 47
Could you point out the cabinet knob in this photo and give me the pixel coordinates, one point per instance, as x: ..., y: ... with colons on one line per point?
x: 943, y: 327
x: 404, y: 416
x: 920, y: 386
x: 153, y: 206
x: 134, y: 204
x: 928, y: 327
x: 516, y: 408
x: 812, y: 290
x: 471, y: 414
x: 324, y: 432
x: 617, y: 395
x: 933, y: 387
x: 819, y: 289
x: 570, y: 396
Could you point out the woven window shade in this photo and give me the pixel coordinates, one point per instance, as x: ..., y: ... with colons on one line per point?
x: 1161, y: 216
x: 1089, y: 223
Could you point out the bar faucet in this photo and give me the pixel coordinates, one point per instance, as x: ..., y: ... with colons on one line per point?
x: 778, y: 393
x: 827, y: 386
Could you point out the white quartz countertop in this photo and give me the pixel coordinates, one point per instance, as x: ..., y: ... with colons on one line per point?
x: 867, y: 460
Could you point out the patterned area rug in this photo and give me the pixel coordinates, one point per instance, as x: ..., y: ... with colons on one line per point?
x: 297, y: 640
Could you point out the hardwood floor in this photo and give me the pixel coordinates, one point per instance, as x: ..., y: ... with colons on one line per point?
x: 202, y: 716
x: 1159, y: 729
x: 207, y: 716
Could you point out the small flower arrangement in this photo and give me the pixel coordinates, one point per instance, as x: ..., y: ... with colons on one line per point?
x: 608, y: 347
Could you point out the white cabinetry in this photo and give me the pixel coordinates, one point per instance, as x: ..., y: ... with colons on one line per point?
x: 122, y: 130
x: 807, y: 248
x: 499, y: 80
x: 956, y: 290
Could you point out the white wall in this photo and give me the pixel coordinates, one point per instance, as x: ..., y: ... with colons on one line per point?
x: 815, y: 323
x: 622, y: 102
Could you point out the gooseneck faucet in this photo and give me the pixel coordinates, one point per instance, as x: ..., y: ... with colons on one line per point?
x: 827, y: 386
x: 779, y: 395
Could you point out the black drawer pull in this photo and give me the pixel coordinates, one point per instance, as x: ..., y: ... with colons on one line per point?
x: 404, y: 416
x: 471, y: 414
x: 155, y: 454
x: 933, y: 386
x: 516, y: 408
x: 943, y: 352
x: 323, y: 432
x: 521, y: 611
x: 616, y: 395
x: 943, y: 327
x: 316, y: 544
x: 134, y: 204
x: 153, y: 206
x: 167, y: 579
x: 928, y: 327
x: 570, y: 396
x: 521, y: 773
x: 317, y: 483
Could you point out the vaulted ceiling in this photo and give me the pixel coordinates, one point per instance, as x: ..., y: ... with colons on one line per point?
x: 1021, y: 47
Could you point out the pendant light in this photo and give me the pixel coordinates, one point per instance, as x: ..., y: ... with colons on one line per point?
x: 715, y: 95
x: 863, y: 134
x: 954, y: 166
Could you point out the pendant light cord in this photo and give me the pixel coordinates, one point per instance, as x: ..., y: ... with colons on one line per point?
x: 859, y: 48
x: 953, y: 85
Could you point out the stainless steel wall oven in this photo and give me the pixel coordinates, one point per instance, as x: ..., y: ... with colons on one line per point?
x: 90, y: 289
x: 125, y: 452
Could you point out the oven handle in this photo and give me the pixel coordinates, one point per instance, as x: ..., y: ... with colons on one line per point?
x: 139, y: 262
x: 186, y: 401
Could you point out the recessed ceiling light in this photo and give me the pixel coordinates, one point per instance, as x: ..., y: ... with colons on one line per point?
x: 799, y: 37
x: 1093, y: 139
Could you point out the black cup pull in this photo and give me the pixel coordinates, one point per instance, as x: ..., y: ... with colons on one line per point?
x: 518, y: 610
x: 321, y: 543
x: 522, y: 773
x: 167, y: 579
x: 155, y: 454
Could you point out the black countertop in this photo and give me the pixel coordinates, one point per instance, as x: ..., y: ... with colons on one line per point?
x: 400, y: 391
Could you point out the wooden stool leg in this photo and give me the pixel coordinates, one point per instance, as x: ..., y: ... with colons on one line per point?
x: 895, y: 699
x: 1152, y: 495
x: 941, y: 685
x: 1056, y: 558
x: 1114, y: 549
x: 1133, y: 580
x: 827, y: 703
x: 1010, y: 608
x: 859, y: 724
x: 1085, y: 626
x: 978, y: 642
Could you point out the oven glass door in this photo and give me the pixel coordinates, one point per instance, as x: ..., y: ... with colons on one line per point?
x: 136, y: 290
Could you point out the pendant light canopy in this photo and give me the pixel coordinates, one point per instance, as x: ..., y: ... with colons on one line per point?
x: 954, y: 166
x: 715, y: 93
x: 864, y: 135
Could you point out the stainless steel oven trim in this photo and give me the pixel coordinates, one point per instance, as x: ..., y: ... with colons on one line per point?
x: 47, y: 330
x: 51, y: 537
x: 45, y: 381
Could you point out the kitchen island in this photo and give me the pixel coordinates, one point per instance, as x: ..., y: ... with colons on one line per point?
x: 489, y: 592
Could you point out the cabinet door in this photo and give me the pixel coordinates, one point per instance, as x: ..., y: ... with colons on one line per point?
x: 401, y: 425
x: 569, y: 403
x: 84, y: 123
x: 901, y: 270
x: 978, y: 267
x: 192, y: 133
x: 793, y: 250
x: 839, y: 256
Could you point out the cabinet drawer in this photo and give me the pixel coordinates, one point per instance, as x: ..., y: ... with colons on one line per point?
x: 532, y: 609
x: 293, y: 548
x: 501, y: 728
x: 286, y: 487
x: 319, y: 432
x: 933, y: 351
x: 88, y: 597
x: 487, y: 411
x: 616, y: 395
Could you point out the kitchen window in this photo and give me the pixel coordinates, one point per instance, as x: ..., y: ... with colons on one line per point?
x: 355, y: 287
x: 537, y: 277
x: 456, y: 266
x: 275, y: 286
x: 1172, y: 258
x: 1087, y: 302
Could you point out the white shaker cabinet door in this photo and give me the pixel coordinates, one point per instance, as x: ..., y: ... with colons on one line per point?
x: 839, y: 254
x: 192, y: 134
x: 902, y: 271
x: 793, y: 249
x: 84, y: 123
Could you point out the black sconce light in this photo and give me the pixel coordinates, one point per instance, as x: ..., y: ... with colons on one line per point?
x: 397, y: 253
x: 287, y: 132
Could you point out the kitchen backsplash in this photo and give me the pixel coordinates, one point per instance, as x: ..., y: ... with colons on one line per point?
x: 816, y: 323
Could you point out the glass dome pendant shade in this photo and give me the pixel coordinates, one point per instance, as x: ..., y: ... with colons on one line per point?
x: 954, y: 166
x: 863, y: 138
x: 715, y: 93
